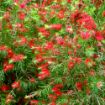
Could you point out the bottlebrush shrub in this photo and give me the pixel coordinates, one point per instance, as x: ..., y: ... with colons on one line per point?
x: 52, y: 52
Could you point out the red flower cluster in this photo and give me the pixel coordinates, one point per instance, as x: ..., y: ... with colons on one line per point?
x: 43, y: 74
x: 83, y: 20
x: 17, y: 57
x: 7, y: 66
x: 56, y: 89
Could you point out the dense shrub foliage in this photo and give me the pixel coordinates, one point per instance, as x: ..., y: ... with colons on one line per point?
x: 52, y: 52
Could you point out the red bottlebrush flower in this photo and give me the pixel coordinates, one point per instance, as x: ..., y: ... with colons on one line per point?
x: 31, y: 43
x: 43, y: 31
x: 89, y: 62
x: 42, y: 66
x: 4, y: 88
x: 79, y: 86
x: 7, y: 66
x: 69, y: 1
x: 34, y: 102
x: 44, y: 74
x: 58, y: 93
x: 85, y: 35
x: 98, y: 36
x: 46, y: 34
x: 39, y: 58
x: 23, y: 5
x: 70, y: 65
x: 84, y: 20
x: 49, y: 46
x: 60, y: 15
x: 21, y: 15
x: 22, y: 41
x: 16, y: 58
x: 55, y: 89
x: 16, y: 84
x: 78, y: 60
x: 60, y: 40
x: 56, y: 26
x: 19, y: 25
x: 58, y: 86
x: 3, y: 48
x: 74, y: 16
x: 10, y: 53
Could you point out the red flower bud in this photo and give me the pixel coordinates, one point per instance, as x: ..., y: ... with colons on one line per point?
x: 4, y: 88
x: 7, y: 66
x: 44, y: 74
x: 16, y: 84
x: 69, y: 1
x: 49, y: 46
x: 23, y: 5
x: 98, y: 36
x: 21, y: 15
x: 34, y: 102
x: 10, y: 53
x: 56, y: 26
x: 78, y: 86
x: 70, y: 65
x: 17, y: 58
x: 60, y: 14
x: 85, y: 35
x: 60, y: 40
